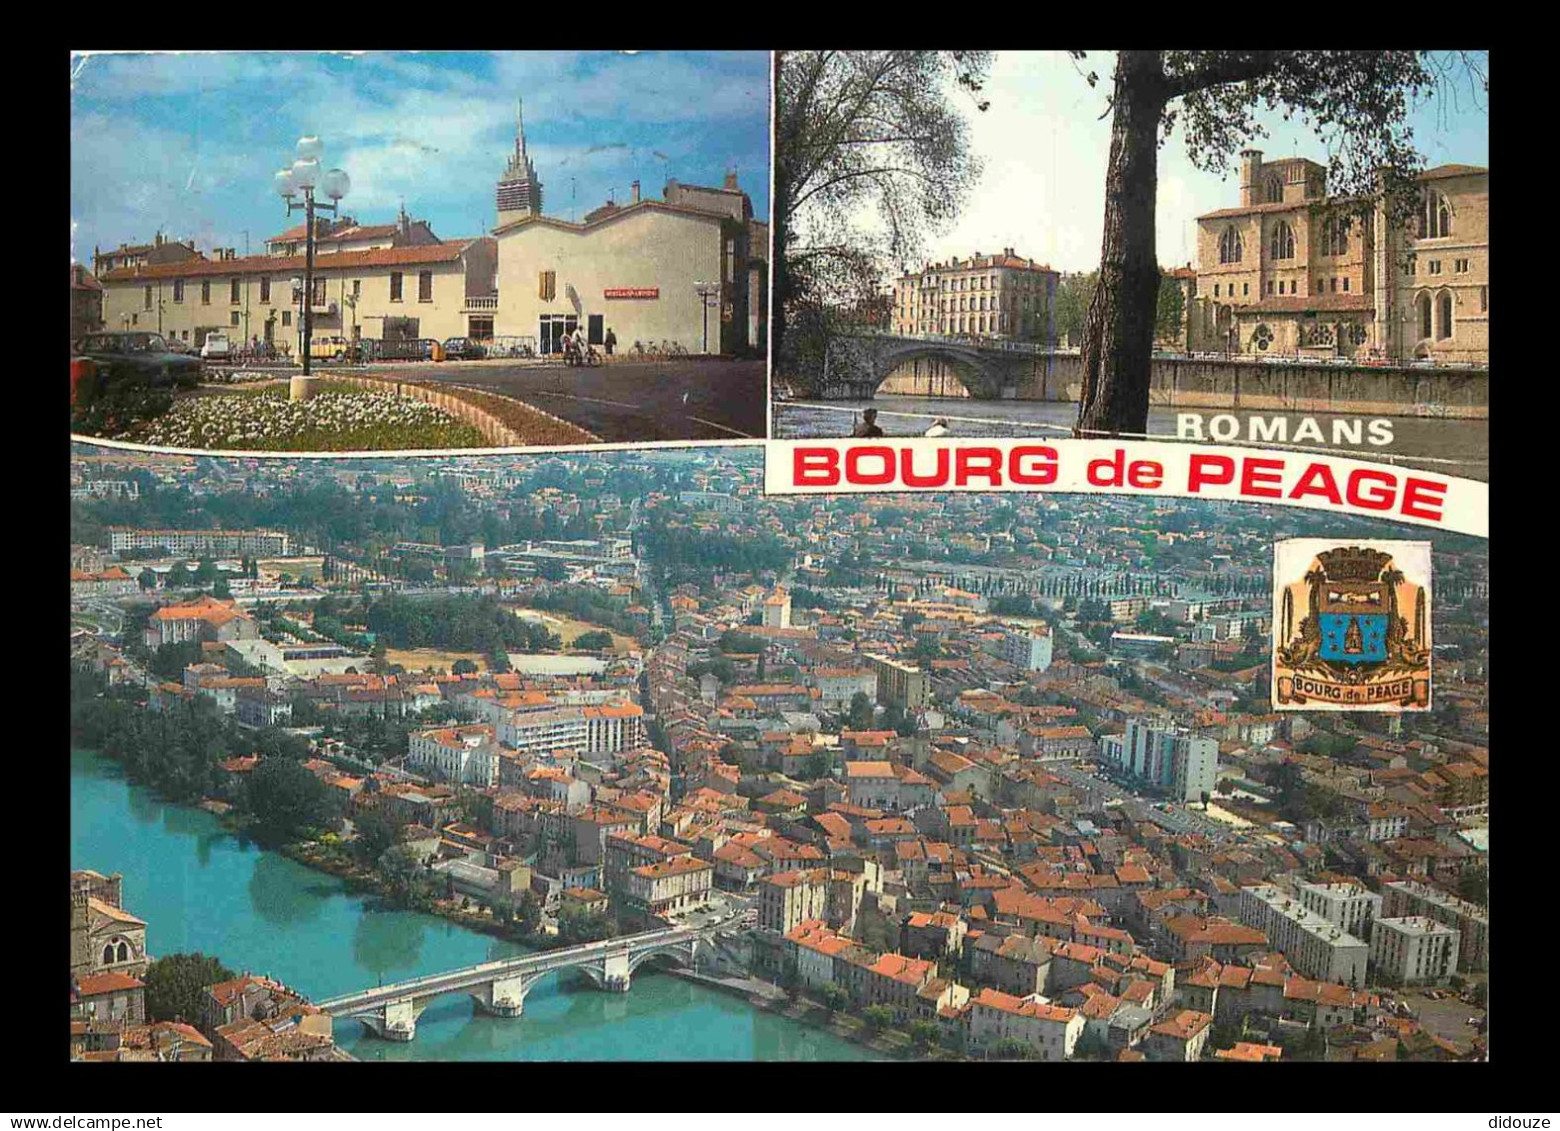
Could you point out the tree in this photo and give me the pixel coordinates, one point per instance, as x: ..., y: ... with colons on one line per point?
x: 1071, y: 305
x: 877, y: 1017
x: 862, y: 711
x: 528, y: 914
x: 1359, y: 100
x: 1474, y: 886
x: 860, y: 131
x: 925, y: 1034
x: 376, y: 834
x: 147, y: 580
x: 1010, y: 1048
x: 597, y: 641
x: 835, y: 997
x: 464, y: 666
x: 578, y: 927
x: 403, y: 871
x: 1169, y: 310
x: 284, y: 800
x: 176, y: 985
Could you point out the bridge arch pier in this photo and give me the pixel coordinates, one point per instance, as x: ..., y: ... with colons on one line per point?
x: 505, y: 997
x: 393, y: 1021
x: 612, y: 972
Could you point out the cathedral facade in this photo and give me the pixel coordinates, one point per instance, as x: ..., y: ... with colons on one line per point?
x: 1292, y: 272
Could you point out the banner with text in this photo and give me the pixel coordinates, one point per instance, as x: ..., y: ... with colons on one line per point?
x: 1130, y: 467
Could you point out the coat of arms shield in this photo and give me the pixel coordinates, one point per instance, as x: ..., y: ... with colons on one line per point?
x: 1351, y: 625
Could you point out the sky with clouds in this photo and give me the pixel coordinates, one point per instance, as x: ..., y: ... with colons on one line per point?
x: 188, y: 143
x: 1045, y: 141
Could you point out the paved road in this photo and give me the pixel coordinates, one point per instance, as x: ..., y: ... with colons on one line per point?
x: 629, y: 401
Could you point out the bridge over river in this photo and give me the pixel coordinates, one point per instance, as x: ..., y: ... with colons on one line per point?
x: 500, y: 987
x: 856, y: 366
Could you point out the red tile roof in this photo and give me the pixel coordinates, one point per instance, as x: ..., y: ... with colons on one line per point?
x: 448, y: 252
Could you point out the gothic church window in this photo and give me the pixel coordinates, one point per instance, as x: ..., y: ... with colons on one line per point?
x: 1282, y: 245
x: 1229, y: 246
x: 1435, y: 219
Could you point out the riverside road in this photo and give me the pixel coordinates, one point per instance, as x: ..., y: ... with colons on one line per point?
x: 689, y: 398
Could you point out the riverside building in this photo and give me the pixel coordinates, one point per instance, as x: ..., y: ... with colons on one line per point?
x: 1002, y: 296
x: 1293, y: 271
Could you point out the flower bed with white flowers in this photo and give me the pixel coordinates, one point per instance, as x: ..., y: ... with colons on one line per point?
x: 337, y: 418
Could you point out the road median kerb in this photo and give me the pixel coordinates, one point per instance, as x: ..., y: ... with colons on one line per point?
x: 504, y: 422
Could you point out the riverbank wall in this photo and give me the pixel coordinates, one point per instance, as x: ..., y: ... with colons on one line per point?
x: 1300, y: 386
x: 1297, y: 387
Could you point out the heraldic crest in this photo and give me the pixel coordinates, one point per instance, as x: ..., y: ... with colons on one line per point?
x: 1352, y: 631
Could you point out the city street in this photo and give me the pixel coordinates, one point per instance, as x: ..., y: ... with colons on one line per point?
x: 627, y: 401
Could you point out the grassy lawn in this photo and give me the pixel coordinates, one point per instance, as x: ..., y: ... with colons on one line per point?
x: 568, y: 628
x: 416, y: 659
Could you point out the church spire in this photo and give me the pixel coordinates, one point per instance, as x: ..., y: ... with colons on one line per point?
x: 519, y: 191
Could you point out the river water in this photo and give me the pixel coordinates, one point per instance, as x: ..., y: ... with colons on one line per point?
x: 198, y: 888
x: 1451, y: 446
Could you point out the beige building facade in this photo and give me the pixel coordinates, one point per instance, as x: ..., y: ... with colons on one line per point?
x: 686, y: 272
x: 415, y: 291
x: 995, y: 296
x: 1293, y: 272
x: 636, y: 269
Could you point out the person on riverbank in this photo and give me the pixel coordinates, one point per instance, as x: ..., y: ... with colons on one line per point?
x: 868, y: 428
x: 939, y: 428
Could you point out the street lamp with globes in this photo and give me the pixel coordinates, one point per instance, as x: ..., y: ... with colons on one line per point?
x: 304, y: 177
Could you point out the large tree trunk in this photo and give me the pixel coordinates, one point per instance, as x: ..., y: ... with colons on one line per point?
x: 779, y: 233
x: 1118, y: 336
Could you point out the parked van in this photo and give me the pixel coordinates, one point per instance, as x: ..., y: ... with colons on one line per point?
x: 216, y: 346
x: 330, y: 348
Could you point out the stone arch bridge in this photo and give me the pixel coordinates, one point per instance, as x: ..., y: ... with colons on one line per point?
x: 500, y: 987
x: 856, y: 365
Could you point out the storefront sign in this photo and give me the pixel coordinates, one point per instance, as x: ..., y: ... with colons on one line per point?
x: 631, y: 292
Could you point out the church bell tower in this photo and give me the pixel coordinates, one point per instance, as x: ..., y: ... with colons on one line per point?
x: 519, y: 192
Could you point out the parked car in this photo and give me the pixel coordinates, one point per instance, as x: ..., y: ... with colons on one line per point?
x: 139, y: 356
x: 177, y: 346
x: 330, y: 348
x: 216, y: 346
x: 397, y: 349
x: 463, y: 349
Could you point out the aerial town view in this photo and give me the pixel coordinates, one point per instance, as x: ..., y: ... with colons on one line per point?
x: 1309, y: 242
x: 611, y: 756
x: 498, y: 249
